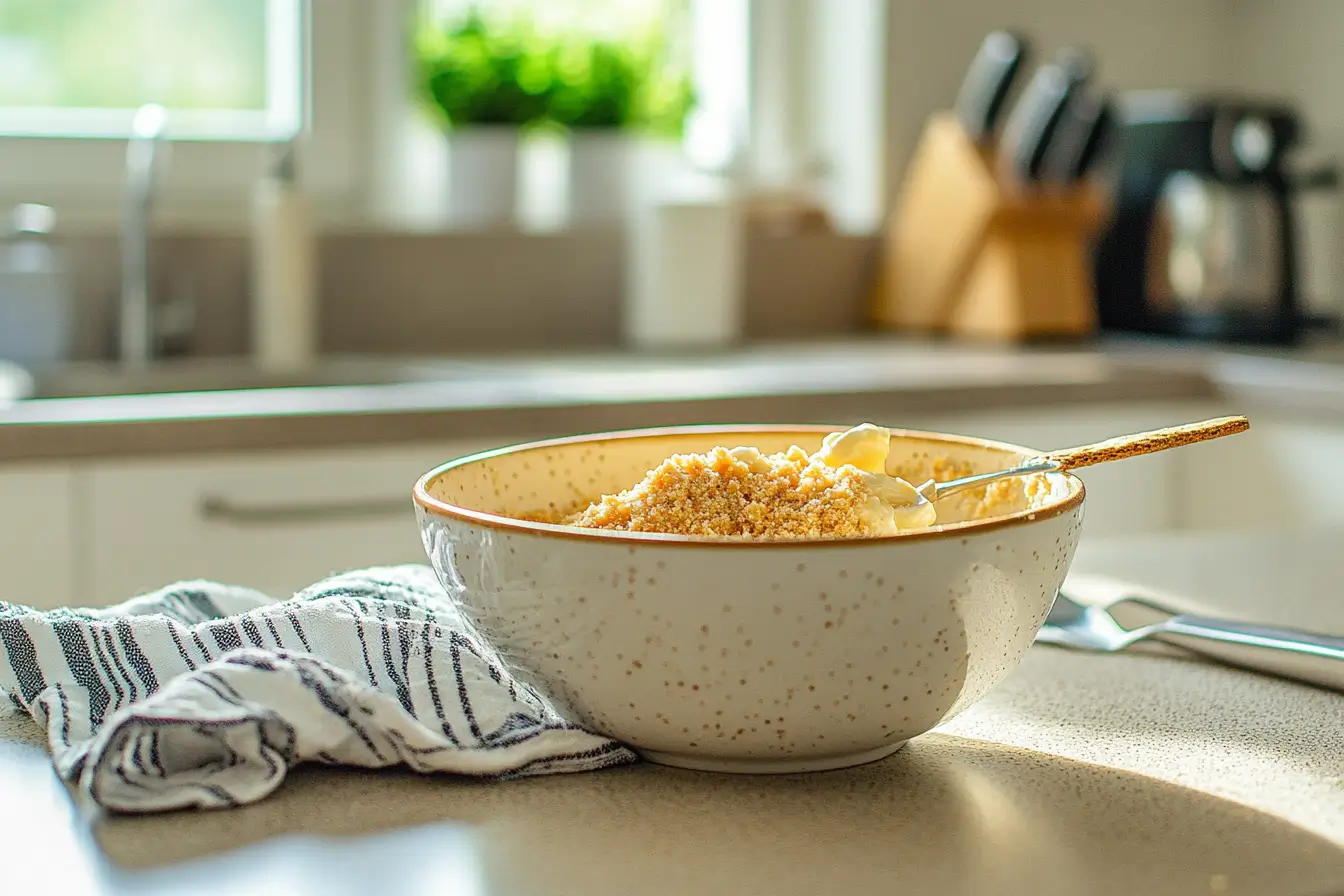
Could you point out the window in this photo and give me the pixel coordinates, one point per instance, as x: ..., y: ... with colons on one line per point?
x: 225, y: 69
x: 715, y: 44
x: 223, y: 116
x: 795, y: 84
x: 700, y: 36
x: 789, y: 92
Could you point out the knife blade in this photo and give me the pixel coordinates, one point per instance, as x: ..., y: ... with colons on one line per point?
x: 1032, y: 124
x: 984, y: 90
x: 1079, y: 138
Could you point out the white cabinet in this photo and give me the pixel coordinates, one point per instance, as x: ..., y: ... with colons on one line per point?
x: 1281, y: 474
x: 1133, y: 496
x: 1284, y: 473
x: 275, y: 521
x: 104, y: 531
x: 38, y: 556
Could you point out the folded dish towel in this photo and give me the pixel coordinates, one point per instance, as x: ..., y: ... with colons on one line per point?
x: 205, y: 695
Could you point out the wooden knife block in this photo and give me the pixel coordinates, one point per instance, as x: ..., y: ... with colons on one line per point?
x: 971, y: 254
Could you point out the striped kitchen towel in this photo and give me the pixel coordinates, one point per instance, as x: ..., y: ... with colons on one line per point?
x: 205, y: 695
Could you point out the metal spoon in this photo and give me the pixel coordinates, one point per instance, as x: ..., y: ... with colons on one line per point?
x: 1099, y: 452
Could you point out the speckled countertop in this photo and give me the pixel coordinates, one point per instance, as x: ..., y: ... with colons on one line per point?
x: 1080, y: 774
x: 383, y: 401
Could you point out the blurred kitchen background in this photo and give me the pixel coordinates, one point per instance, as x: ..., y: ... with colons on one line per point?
x: 265, y: 261
x: 808, y: 112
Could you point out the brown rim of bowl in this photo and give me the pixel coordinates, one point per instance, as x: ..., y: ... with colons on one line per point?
x: 952, y: 530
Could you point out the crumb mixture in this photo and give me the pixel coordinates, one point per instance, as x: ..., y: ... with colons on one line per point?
x: 740, y: 492
x: 847, y: 489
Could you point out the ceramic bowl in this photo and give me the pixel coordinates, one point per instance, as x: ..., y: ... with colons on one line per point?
x: 778, y: 656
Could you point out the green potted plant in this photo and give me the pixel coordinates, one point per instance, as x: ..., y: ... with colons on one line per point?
x: 486, y: 79
x: 613, y: 97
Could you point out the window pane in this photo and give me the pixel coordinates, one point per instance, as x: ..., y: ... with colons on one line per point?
x: 77, y: 66
x: 611, y: 18
x: 580, y: 64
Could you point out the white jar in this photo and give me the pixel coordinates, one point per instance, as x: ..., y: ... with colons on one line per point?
x: 685, y: 269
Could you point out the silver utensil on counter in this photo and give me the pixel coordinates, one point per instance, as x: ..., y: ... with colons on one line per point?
x: 1288, y: 653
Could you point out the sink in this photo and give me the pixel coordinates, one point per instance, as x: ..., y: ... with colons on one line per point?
x: 594, y: 374
x: 97, y: 379
x: 605, y: 372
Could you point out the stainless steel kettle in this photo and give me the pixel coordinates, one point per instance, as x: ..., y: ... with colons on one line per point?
x: 1215, y: 245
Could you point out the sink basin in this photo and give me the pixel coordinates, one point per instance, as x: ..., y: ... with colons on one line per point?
x: 595, y: 375
x: 95, y: 379
x: 91, y: 379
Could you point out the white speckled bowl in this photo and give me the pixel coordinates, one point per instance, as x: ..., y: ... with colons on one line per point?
x: 743, y: 656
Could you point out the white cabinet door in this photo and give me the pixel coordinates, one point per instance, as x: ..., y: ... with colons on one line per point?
x: 1127, y: 497
x: 1281, y: 474
x: 37, y: 536
x: 275, y: 521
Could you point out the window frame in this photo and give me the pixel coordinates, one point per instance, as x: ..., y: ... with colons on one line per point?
x: 281, y: 119
x: 352, y: 157
x: 207, y: 180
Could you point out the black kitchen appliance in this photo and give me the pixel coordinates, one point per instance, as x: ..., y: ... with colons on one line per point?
x: 1201, y: 242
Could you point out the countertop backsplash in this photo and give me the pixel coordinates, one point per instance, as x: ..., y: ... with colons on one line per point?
x: 384, y: 292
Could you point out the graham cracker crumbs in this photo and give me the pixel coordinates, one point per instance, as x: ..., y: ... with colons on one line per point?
x: 845, y: 490
x: 738, y: 493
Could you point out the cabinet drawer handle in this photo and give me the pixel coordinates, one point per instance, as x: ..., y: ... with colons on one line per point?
x: 221, y: 510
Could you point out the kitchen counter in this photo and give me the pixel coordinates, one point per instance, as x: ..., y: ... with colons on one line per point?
x: 1080, y: 774
x: 382, y: 401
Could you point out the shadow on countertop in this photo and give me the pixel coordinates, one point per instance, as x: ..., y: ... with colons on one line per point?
x: 948, y: 815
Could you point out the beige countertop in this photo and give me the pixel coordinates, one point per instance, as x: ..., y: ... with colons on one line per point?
x: 369, y: 400
x: 1080, y: 774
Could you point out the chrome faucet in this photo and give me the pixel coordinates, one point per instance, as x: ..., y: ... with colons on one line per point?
x: 142, y: 163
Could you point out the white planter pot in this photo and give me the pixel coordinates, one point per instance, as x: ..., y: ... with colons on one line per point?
x: 601, y: 168
x: 483, y: 177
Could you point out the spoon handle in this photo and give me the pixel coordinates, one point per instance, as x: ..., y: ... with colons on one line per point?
x: 1316, y: 659
x: 1147, y: 442
x: 936, y: 491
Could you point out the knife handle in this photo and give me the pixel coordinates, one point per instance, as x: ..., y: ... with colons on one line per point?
x: 1026, y: 133
x: 1081, y: 134
x: 1301, y: 656
x: 1030, y: 133
x: 979, y: 103
x: 1077, y: 63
